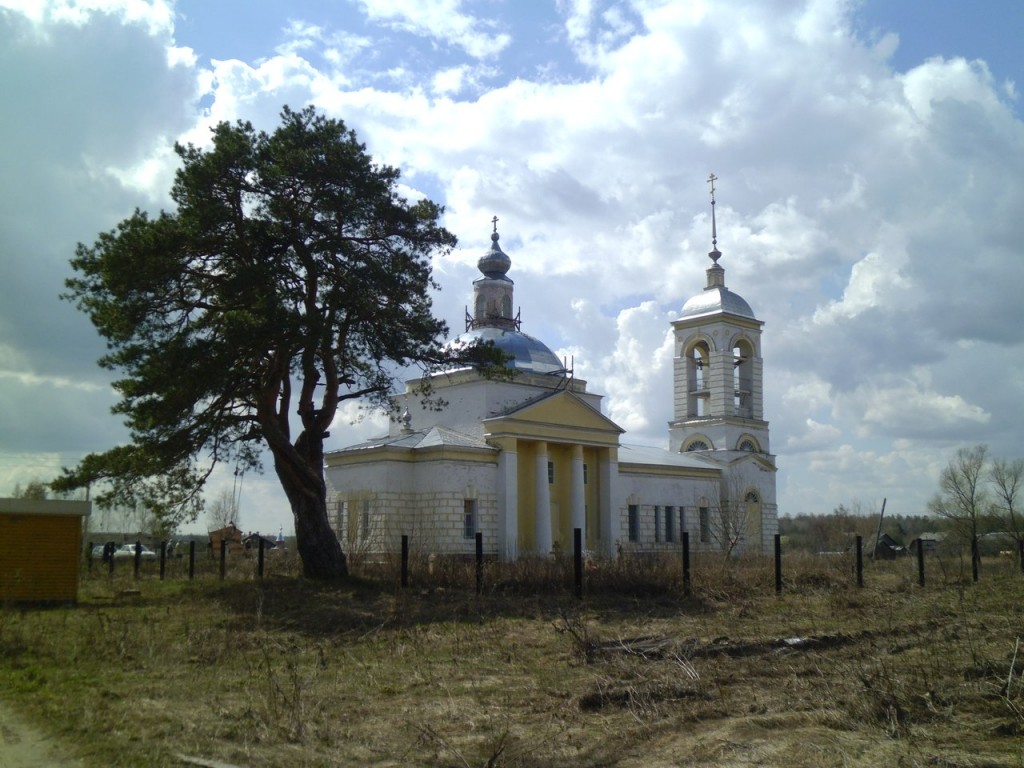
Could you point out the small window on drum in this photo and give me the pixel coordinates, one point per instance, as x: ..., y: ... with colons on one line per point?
x: 748, y: 445
x: 698, y: 445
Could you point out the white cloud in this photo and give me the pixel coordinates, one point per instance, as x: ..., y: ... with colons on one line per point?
x: 441, y: 20
x: 869, y: 216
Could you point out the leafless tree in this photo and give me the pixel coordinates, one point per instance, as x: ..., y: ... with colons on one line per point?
x: 35, y: 490
x: 963, y: 498
x: 1007, y: 478
x: 730, y: 519
x: 223, y: 510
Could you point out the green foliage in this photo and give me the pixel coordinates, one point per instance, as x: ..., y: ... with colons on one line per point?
x: 290, y: 277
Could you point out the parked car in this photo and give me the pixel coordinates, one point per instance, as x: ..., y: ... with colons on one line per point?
x: 127, y: 552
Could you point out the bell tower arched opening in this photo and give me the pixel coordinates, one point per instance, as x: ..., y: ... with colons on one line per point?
x: 698, y: 360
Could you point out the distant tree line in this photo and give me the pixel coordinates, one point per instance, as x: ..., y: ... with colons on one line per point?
x: 979, y: 497
x: 836, y: 531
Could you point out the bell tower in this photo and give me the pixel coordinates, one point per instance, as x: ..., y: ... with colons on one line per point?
x: 718, y: 387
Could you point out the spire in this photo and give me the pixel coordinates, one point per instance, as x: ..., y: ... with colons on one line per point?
x: 715, y: 273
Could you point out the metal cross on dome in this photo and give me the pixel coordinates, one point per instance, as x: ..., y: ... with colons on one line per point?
x: 714, y: 229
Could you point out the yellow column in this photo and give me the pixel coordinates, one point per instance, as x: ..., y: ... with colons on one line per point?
x: 578, y: 508
x: 508, y: 501
x: 542, y: 517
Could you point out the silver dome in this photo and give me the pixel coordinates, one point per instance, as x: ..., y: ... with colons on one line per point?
x: 717, y: 300
x: 495, y: 262
x: 529, y: 354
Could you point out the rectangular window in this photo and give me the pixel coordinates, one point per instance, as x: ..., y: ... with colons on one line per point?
x: 339, y: 520
x: 705, y: 524
x: 657, y: 524
x: 469, y: 519
x: 551, y: 472
x: 633, y: 521
x: 364, y: 529
x: 670, y: 523
x: 585, y: 475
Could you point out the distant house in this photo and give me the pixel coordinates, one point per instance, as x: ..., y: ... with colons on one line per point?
x: 231, y: 534
x: 928, y: 543
x: 40, y: 549
x: 251, y: 542
x: 885, y: 548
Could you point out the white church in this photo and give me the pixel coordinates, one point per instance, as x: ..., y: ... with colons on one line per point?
x: 524, y: 461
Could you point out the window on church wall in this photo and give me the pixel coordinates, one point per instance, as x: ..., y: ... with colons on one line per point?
x: 551, y: 472
x: 481, y: 307
x: 698, y: 445
x: 633, y: 522
x: 364, y: 528
x: 469, y: 522
x: 339, y: 518
x: 704, y: 515
x: 657, y: 524
x: 585, y: 473
x: 506, y: 306
x: 670, y: 524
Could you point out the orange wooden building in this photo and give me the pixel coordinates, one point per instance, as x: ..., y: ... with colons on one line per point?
x: 40, y: 550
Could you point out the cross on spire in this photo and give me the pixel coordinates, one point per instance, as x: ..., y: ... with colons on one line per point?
x: 494, y: 221
x: 714, y: 229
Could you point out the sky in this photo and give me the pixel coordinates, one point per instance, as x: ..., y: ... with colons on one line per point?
x: 870, y: 199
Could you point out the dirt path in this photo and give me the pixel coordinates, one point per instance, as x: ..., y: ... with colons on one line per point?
x: 23, y: 746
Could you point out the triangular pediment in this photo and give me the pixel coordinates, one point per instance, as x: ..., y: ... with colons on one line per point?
x: 560, y: 416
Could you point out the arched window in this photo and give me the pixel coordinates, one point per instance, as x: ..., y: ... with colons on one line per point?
x: 747, y: 444
x: 698, y: 445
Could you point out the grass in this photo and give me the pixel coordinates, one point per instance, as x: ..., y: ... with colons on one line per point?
x: 288, y: 672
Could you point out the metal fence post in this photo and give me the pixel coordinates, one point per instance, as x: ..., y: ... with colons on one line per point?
x: 687, y: 584
x: 577, y: 561
x: 479, y: 562
x: 223, y: 558
x: 920, y: 563
x: 191, y: 560
x: 778, y: 564
x: 405, y: 560
x: 860, y: 560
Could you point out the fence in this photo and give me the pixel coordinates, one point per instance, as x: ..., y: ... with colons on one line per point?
x: 194, y: 562
x: 658, y: 572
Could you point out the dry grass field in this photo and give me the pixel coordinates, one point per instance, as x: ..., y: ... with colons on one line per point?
x: 285, y: 672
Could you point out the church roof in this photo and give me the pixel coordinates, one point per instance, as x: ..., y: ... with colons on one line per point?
x: 717, y: 300
x: 526, y: 352
x: 494, y: 322
x: 645, y: 454
x: 435, y: 437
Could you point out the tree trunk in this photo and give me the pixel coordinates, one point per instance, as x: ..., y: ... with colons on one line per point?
x: 317, y: 544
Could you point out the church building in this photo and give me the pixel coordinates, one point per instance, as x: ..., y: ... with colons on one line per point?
x: 525, y: 460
